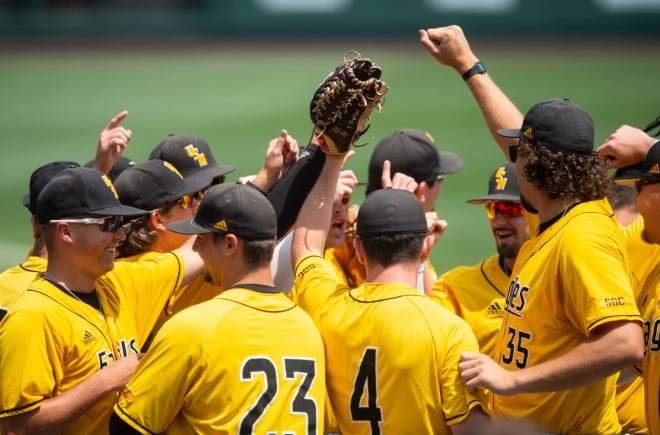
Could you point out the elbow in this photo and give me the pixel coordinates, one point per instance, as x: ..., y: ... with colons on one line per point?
x: 632, y: 345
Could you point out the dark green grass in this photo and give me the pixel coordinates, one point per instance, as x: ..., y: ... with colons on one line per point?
x: 239, y: 95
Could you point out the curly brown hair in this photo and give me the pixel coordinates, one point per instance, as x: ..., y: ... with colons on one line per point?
x: 562, y: 175
x: 139, y: 237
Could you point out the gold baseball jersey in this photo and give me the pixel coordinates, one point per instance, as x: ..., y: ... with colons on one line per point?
x: 195, y: 291
x: 392, y: 354
x: 477, y: 295
x: 15, y: 280
x: 246, y: 361
x: 568, y: 280
x: 51, y: 341
x: 650, y: 367
x: 643, y: 256
x: 349, y: 269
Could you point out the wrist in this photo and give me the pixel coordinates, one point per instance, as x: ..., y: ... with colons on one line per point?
x: 477, y: 68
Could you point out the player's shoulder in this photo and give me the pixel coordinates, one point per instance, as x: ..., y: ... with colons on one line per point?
x: 467, y: 275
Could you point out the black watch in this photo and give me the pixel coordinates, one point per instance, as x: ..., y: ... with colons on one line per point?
x: 478, y: 68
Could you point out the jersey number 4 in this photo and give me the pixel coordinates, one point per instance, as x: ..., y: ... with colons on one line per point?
x: 301, y: 404
x: 365, y: 383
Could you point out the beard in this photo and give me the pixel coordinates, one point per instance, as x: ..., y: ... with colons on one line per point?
x: 508, y: 251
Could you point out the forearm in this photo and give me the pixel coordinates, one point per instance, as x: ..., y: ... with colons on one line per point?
x: 314, y: 218
x: 57, y: 413
x: 288, y: 195
x: 587, y: 363
x: 496, y: 108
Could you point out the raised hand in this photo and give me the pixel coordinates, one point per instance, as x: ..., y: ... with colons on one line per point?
x: 112, y: 142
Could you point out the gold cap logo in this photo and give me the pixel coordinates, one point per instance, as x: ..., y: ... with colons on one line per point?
x: 500, y: 178
x: 171, y: 167
x: 193, y: 153
x: 655, y: 169
x: 220, y: 225
x: 108, y: 183
x: 528, y: 133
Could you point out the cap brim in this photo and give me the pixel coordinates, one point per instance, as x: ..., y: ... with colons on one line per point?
x: 187, y: 226
x: 195, y: 183
x: 628, y: 175
x: 496, y: 197
x: 449, y: 163
x: 509, y: 132
x: 26, y: 200
x: 215, y: 171
x: 118, y: 210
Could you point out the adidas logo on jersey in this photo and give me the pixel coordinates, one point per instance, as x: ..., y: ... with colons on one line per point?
x: 495, y: 309
x: 88, y: 338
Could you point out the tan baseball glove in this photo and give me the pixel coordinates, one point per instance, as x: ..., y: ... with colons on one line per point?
x: 343, y: 102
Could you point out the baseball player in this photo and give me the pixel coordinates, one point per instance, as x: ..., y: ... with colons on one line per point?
x: 80, y: 325
x: 477, y: 293
x: 568, y: 326
x: 392, y: 353
x: 283, y: 178
x: 247, y: 361
x: 111, y: 144
x: 625, y: 147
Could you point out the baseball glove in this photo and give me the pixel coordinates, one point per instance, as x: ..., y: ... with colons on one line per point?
x: 343, y: 102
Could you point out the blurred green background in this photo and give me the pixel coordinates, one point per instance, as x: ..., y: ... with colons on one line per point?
x: 238, y: 94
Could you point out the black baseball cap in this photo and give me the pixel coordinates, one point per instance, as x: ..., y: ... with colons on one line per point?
x: 122, y: 164
x: 152, y: 183
x: 412, y: 152
x: 649, y: 168
x: 502, y: 186
x: 81, y: 191
x: 191, y: 155
x: 391, y: 211
x: 557, y: 124
x: 232, y: 208
x: 40, y: 177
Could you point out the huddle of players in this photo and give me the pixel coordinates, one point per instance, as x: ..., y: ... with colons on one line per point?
x: 250, y: 360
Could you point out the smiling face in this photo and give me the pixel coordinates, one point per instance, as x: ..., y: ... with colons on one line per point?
x: 510, y: 233
x: 96, y: 249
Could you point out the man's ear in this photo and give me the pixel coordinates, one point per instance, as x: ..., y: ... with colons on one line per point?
x: 231, y: 243
x: 359, y: 249
x: 157, y: 222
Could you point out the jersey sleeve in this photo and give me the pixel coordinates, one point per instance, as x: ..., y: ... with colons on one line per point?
x: 150, y: 402
x: 597, y: 281
x: 315, y: 283
x: 457, y: 401
x: 444, y: 295
x: 145, y: 287
x: 29, y: 366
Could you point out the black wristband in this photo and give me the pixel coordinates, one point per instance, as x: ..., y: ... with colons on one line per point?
x: 478, y: 68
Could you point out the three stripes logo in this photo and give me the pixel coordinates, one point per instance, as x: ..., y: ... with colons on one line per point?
x: 88, y: 337
x: 495, y: 309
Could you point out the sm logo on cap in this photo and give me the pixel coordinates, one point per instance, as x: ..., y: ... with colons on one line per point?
x: 528, y: 133
x: 655, y: 169
x: 500, y: 178
x: 193, y: 153
x: 108, y: 183
x: 220, y: 225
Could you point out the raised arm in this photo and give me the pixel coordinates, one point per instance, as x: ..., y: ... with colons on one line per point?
x: 626, y: 146
x: 449, y: 46
x: 112, y: 143
x: 314, y: 217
